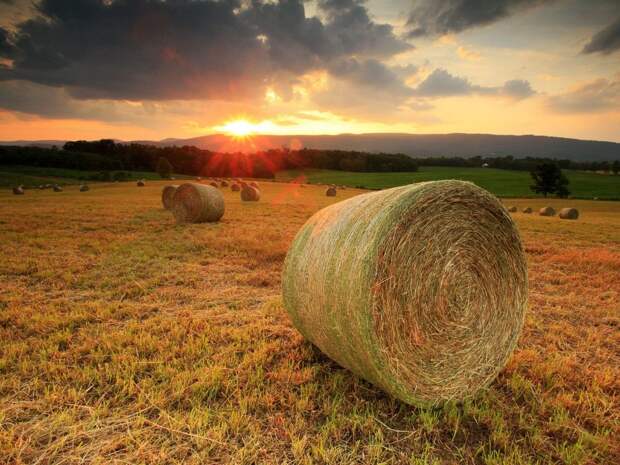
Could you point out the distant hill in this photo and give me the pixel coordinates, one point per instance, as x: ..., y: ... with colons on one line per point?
x: 414, y: 145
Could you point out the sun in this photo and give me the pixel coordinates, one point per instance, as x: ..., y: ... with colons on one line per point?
x: 239, y: 128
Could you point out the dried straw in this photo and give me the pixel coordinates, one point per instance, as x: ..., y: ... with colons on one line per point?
x: 420, y: 289
x: 167, y: 194
x: 569, y: 213
x: 250, y: 194
x: 197, y: 203
x: 546, y: 211
x: 330, y: 192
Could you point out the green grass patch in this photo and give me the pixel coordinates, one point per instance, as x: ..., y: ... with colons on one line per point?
x: 503, y: 183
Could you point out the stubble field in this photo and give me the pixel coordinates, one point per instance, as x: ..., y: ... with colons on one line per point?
x: 125, y: 338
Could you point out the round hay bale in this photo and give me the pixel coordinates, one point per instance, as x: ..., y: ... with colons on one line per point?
x: 41, y: 187
x: 197, y: 203
x: 243, y: 184
x: 331, y: 192
x: 419, y: 289
x: 57, y: 188
x: 167, y: 194
x: 198, y: 178
x: 250, y: 194
x: 569, y: 213
x: 214, y: 184
x: 253, y: 184
x: 512, y: 209
x: 527, y: 210
x: 224, y: 184
x: 140, y: 183
x: 19, y: 190
x: 84, y: 188
x: 235, y: 187
x: 546, y: 211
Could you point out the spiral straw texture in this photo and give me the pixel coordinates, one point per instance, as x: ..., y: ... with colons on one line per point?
x: 197, y: 203
x: 167, y: 194
x: 420, y: 289
x: 250, y: 194
x: 546, y: 211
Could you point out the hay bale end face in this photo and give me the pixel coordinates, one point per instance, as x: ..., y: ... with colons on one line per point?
x: 569, y: 213
x: 19, y: 190
x: 546, y: 211
x: 420, y: 289
x: 197, y: 203
x: 331, y: 192
x: 250, y: 194
x: 84, y: 188
x: 235, y: 187
x: 167, y: 194
x: 512, y: 209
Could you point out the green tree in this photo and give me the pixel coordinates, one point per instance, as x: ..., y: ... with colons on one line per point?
x: 549, y: 179
x: 615, y: 167
x: 164, y: 168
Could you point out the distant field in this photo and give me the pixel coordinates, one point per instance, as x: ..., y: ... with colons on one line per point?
x: 127, y: 339
x: 503, y: 183
x: 35, y: 175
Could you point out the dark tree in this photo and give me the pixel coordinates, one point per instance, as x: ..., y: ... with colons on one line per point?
x: 548, y: 179
x: 164, y: 168
x: 615, y: 167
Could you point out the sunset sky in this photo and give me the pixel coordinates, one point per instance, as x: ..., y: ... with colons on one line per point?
x: 147, y: 69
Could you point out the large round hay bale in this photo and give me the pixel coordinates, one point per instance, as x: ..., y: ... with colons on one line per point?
x: 569, y: 213
x: 235, y: 187
x: 57, y: 188
x: 140, y: 183
x: 419, y: 289
x: 331, y: 192
x: 19, y: 190
x: 527, y: 210
x: 546, y: 211
x: 167, y: 194
x: 197, y: 203
x: 250, y: 194
x: 84, y: 188
x: 512, y: 209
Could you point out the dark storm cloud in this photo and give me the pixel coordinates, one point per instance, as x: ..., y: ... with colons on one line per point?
x: 372, y: 73
x: 186, y: 49
x: 605, y: 41
x: 440, y: 83
x: 438, y: 17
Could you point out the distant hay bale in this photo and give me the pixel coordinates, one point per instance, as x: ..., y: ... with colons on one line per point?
x: 197, y: 203
x: 224, y: 183
x: 84, y: 188
x: 331, y: 191
x: 250, y: 194
x: 253, y: 184
x: 243, y: 184
x: 419, y: 289
x: 41, y: 187
x: 546, y: 211
x: 167, y: 194
x: 57, y: 188
x: 235, y: 187
x: 569, y: 213
x: 140, y: 183
x: 527, y: 210
x: 19, y: 190
x: 198, y: 179
x: 512, y: 209
x: 214, y: 184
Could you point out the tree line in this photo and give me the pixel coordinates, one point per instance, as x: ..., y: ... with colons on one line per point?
x: 108, y: 155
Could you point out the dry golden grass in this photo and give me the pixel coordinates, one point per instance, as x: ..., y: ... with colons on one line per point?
x: 126, y: 338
